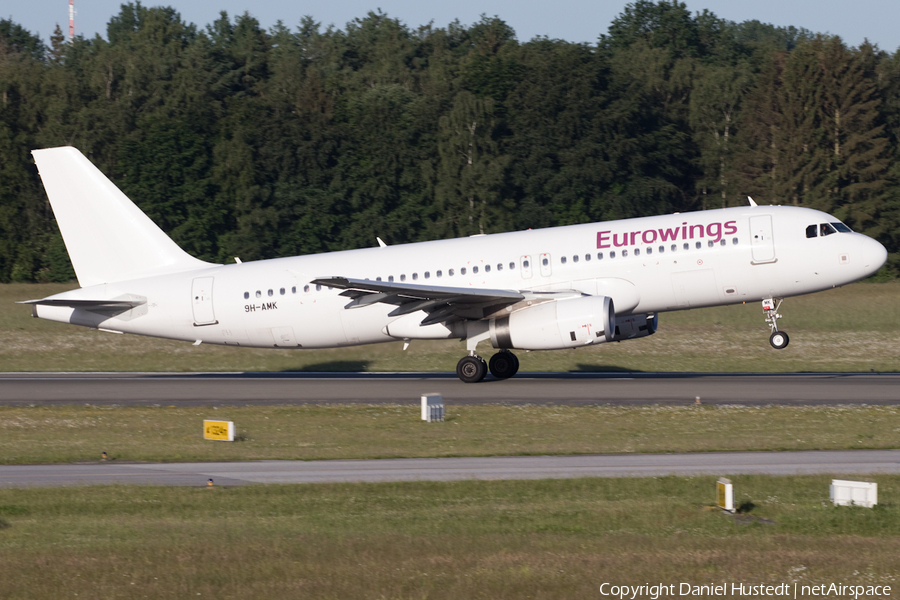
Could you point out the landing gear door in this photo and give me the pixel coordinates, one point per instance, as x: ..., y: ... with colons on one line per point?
x: 202, y: 301
x: 762, y: 242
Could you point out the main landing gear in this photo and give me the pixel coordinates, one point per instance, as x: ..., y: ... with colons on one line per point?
x: 473, y: 368
x: 778, y: 339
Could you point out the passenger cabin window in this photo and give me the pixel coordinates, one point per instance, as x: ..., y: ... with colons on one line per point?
x: 427, y: 274
x: 390, y: 278
x: 722, y: 242
x: 710, y: 243
x: 281, y: 292
x: 403, y: 277
x: 306, y: 289
x: 512, y: 265
x: 698, y: 245
x: 612, y: 254
x: 662, y: 249
x: 599, y: 256
x: 649, y: 250
x: 675, y: 247
x: 258, y: 294
x: 637, y: 251
x: 587, y: 257
x: 562, y: 259
x: 246, y: 295
x: 462, y: 271
x: 687, y: 246
x: 812, y: 231
x: 734, y: 241
x: 440, y: 273
x: 318, y: 287
x: 487, y: 268
x: 474, y: 269
x: 826, y: 229
x: 500, y: 266
x: 624, y: 253
x: 450, y: 272
x: 415, y: 276
x: 294, y: 289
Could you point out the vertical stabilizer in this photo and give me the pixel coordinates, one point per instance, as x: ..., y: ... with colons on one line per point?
x: 107, y: 236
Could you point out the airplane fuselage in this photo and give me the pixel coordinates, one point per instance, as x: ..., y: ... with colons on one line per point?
x: 647, y: 265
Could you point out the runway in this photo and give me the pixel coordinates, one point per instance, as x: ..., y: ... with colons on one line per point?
x: 842, y: 463
x: 241, y: 389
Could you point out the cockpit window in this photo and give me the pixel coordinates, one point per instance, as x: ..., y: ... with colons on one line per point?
x: 812, y: 231
x: 842, y: 228
x: 826, y: 229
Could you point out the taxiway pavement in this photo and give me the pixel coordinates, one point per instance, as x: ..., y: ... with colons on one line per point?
x: 841, y: 462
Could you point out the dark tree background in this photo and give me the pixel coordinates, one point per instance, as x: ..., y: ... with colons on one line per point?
x: 244, y: 142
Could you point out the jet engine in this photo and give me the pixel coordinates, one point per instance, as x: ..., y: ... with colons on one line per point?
x: 556, y: 325
x: 635, y: 326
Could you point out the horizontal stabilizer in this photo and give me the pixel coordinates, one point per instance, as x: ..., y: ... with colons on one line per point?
x: 95, y: 305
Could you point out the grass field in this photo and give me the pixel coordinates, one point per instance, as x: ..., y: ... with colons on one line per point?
x: 63, y: 434
x: 501, y: 539
x: 855, y: 328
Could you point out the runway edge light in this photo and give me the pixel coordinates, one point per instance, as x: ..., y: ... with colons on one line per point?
x: 218, y: 430
x: 725, y: 494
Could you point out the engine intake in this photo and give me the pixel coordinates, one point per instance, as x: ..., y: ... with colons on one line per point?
x: 556, y: 325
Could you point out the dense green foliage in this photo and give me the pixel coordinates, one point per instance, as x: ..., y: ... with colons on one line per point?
x: 241, y: 141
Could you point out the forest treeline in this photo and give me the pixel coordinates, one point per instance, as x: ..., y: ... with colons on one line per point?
x: 241, y: 141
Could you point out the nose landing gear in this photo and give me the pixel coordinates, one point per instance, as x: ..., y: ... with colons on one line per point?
x: 778, y: 339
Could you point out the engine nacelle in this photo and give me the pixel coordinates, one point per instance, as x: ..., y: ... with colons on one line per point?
x: 556, y: 325
x: 635, y: 326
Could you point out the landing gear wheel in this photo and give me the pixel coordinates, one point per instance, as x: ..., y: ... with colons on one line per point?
x: 504, y: 365
x: 779, y: 339
x: 471, y: 369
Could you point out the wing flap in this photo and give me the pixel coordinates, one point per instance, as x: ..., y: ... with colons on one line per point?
x: 442, y: 304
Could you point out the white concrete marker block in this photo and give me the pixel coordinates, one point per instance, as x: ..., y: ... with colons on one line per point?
x: 854, y: 493
x: 432, y: 407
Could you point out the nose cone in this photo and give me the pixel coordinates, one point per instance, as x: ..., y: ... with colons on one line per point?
x: 874, y: 256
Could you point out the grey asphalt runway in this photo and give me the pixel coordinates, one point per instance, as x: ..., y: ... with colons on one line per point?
x: 842, y: 463
x: 232, y: 389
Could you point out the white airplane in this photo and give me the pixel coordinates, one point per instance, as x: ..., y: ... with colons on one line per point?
x: 562, y: 287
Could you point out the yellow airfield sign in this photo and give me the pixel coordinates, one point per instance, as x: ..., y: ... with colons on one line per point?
x: 218, y: 430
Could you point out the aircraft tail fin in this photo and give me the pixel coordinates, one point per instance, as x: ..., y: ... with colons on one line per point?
x: 107, y: 236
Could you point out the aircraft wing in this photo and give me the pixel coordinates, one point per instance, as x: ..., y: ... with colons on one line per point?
x: 443, y: 304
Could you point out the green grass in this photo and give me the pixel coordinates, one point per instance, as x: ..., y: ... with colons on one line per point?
x: 435, y: 540
x: 855, y: 328
x: 64, y: 434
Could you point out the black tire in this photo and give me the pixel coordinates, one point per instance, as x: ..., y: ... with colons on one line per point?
x: 779, y: 340
x: 504, y: 365
x: 471, y: 369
